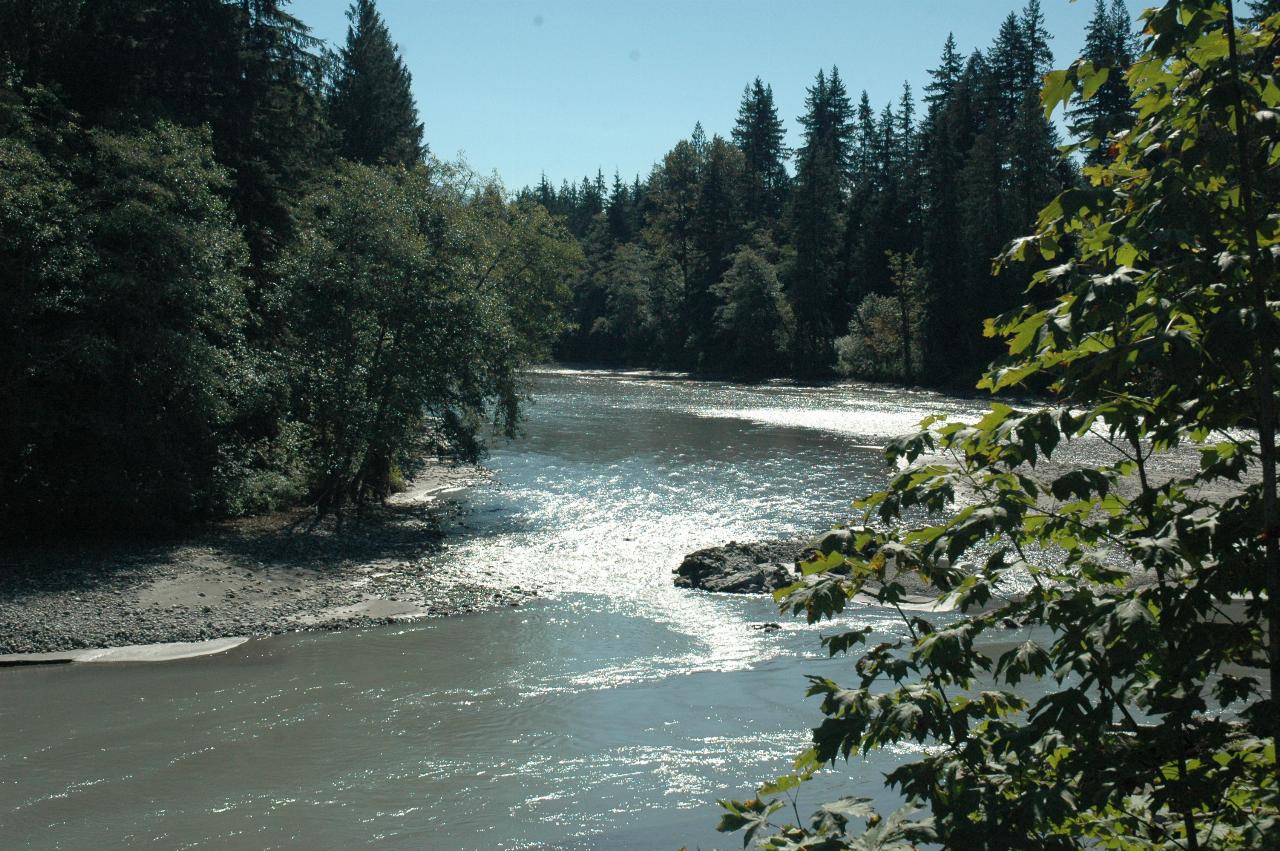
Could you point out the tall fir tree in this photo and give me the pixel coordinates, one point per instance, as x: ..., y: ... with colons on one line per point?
x: 31, y: 35
x: 946, y: 139
x: 1260, y: 10
x: 719, y: 228
x: 674, y: 195
x: 760, y: 135
x: 371, y: 104
x: 249, y: 70
x: 864, y: 136
x: 824, y: 165
x: 950, y: 183
x: 1108, y: 43
x: 1006, y: 73
x: 943, y: 79
x: 545, y: 194
x: 618, y: 213
x: 274, y: 135
x: 1035, y: 166
x: 1038, y: 57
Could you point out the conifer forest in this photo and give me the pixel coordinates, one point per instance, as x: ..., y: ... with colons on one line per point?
x: 866, y: 251
x: 899, y: 474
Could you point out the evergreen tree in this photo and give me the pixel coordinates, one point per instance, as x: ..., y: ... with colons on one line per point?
x: 943, y: 79
x: 906, y: 163
x: 1038, y: 57
x: 672, y: 230
x: 31, y: 32
x: 1035, y: 169
x: 272, y: 134
x: 371, y: 104
x: 864, y: 139
x: 546, y: 194
x: 1260, y: 10
x: 817, y: 221
x: 759, y: 133
x: 698, y: 139
x: 947, y: 138
x: 876, y: 220
x: 719, y: 229
x: 1006, y: 75
x: 619, y: 211
x: 587, y: 203
x: 836, y: 130
x: 639, y: 202
x: 1128, y: 46
x: 248, y: 70
x: 1108, y: 44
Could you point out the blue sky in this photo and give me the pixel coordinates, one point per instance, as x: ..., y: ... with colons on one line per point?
x: 568, y: 87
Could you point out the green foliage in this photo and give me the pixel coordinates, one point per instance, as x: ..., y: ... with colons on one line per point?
x: 951, y: 187
x: 371, y: 104
x: 640, y: 291
x: 760, y: 135
x: 884, y: 339
x: 204, y: 312
x: 873, y: 346
x: 248, y: 70
x: 30, y: 28
x: 123, y: 320
x: 1152, y: 610
x: 530, y: 259
x: 753, y: 320
x: 397, y: 327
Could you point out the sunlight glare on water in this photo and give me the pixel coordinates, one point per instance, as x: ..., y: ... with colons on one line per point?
x: 673, y: 466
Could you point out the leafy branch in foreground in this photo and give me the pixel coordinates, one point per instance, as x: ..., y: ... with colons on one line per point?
x: 1150, y: 609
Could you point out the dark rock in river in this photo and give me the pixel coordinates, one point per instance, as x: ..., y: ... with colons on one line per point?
x: 755, y: 568
x: 765, y: 566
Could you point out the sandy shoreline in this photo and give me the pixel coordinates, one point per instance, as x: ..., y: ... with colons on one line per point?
x: 250, y: 577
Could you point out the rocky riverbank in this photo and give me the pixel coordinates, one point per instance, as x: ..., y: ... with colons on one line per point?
x: 257, y: 576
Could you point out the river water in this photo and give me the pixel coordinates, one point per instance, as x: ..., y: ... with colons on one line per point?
x: 611, y: 714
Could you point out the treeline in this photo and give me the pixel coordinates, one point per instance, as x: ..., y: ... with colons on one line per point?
x: 865, y: 251
x: 231, y: 277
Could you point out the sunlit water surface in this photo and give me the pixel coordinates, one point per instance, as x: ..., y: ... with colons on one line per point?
x: 610, y: 715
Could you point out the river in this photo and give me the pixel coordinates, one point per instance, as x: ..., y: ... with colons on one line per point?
x: 610, y: 714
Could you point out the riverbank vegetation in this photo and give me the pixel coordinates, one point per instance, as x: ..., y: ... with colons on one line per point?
x: 1151, y: 625
x: 944, y: 178
x: 233, y: 276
